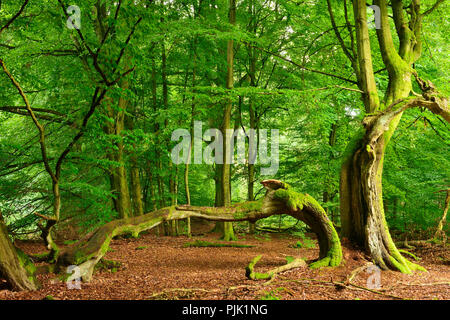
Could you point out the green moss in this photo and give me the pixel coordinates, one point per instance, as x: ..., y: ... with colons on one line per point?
x: 228, y: 232
x: 201, y: 243
x: 325, y: 262
x: 402, y: 267
x: 249, y: 206
x: 250, y: 274
x: 270, y: 295
x: 294, y: 200
x: 78, y: 257
x: 39, y: 256
x: 111, y: 265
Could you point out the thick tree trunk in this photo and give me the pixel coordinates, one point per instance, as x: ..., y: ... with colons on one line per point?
x: 15, y: 266
x: 135, y: 181
x: 279, y: 199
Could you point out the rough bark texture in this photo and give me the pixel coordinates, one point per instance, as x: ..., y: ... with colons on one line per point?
x: 279, y: 199
x: 15, y: 266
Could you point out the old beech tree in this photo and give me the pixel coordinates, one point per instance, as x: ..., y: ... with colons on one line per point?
x: 361, y: 201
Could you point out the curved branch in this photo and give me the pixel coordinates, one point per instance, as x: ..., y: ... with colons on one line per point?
x: 14, y: 17
x: 279, y: 199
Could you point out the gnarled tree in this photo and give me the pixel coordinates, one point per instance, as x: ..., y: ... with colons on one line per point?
x: 362, y: 213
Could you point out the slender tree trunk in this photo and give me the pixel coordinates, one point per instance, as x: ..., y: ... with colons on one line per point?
x: 439, y: 229
x: 361, y: 200
x: 135, y: 181
x: 119, y: 173
x: 326, y: 195
x: 159, y: 181
x: 225, y: 168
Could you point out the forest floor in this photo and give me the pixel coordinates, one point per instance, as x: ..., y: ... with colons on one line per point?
x: 155, y: 267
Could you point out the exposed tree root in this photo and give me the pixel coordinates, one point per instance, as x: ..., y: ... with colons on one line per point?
x: 15, y: 265
x: 410, y: 254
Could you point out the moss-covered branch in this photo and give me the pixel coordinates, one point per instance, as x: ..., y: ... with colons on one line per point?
x: 279, y: 199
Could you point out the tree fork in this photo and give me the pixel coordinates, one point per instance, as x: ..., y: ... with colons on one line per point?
x: 279, y: 199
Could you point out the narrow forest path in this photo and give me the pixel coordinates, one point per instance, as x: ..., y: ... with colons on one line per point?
x: 156, y: 267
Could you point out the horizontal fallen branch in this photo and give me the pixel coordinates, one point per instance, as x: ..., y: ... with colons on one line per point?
x: 279, y: 199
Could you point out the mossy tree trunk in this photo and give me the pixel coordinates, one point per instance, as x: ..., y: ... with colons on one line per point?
x: 361, y: 201
x: 280, y: 198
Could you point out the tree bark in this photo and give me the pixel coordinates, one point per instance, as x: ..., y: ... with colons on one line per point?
x: 135, y: 181
x: 280, y: 199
